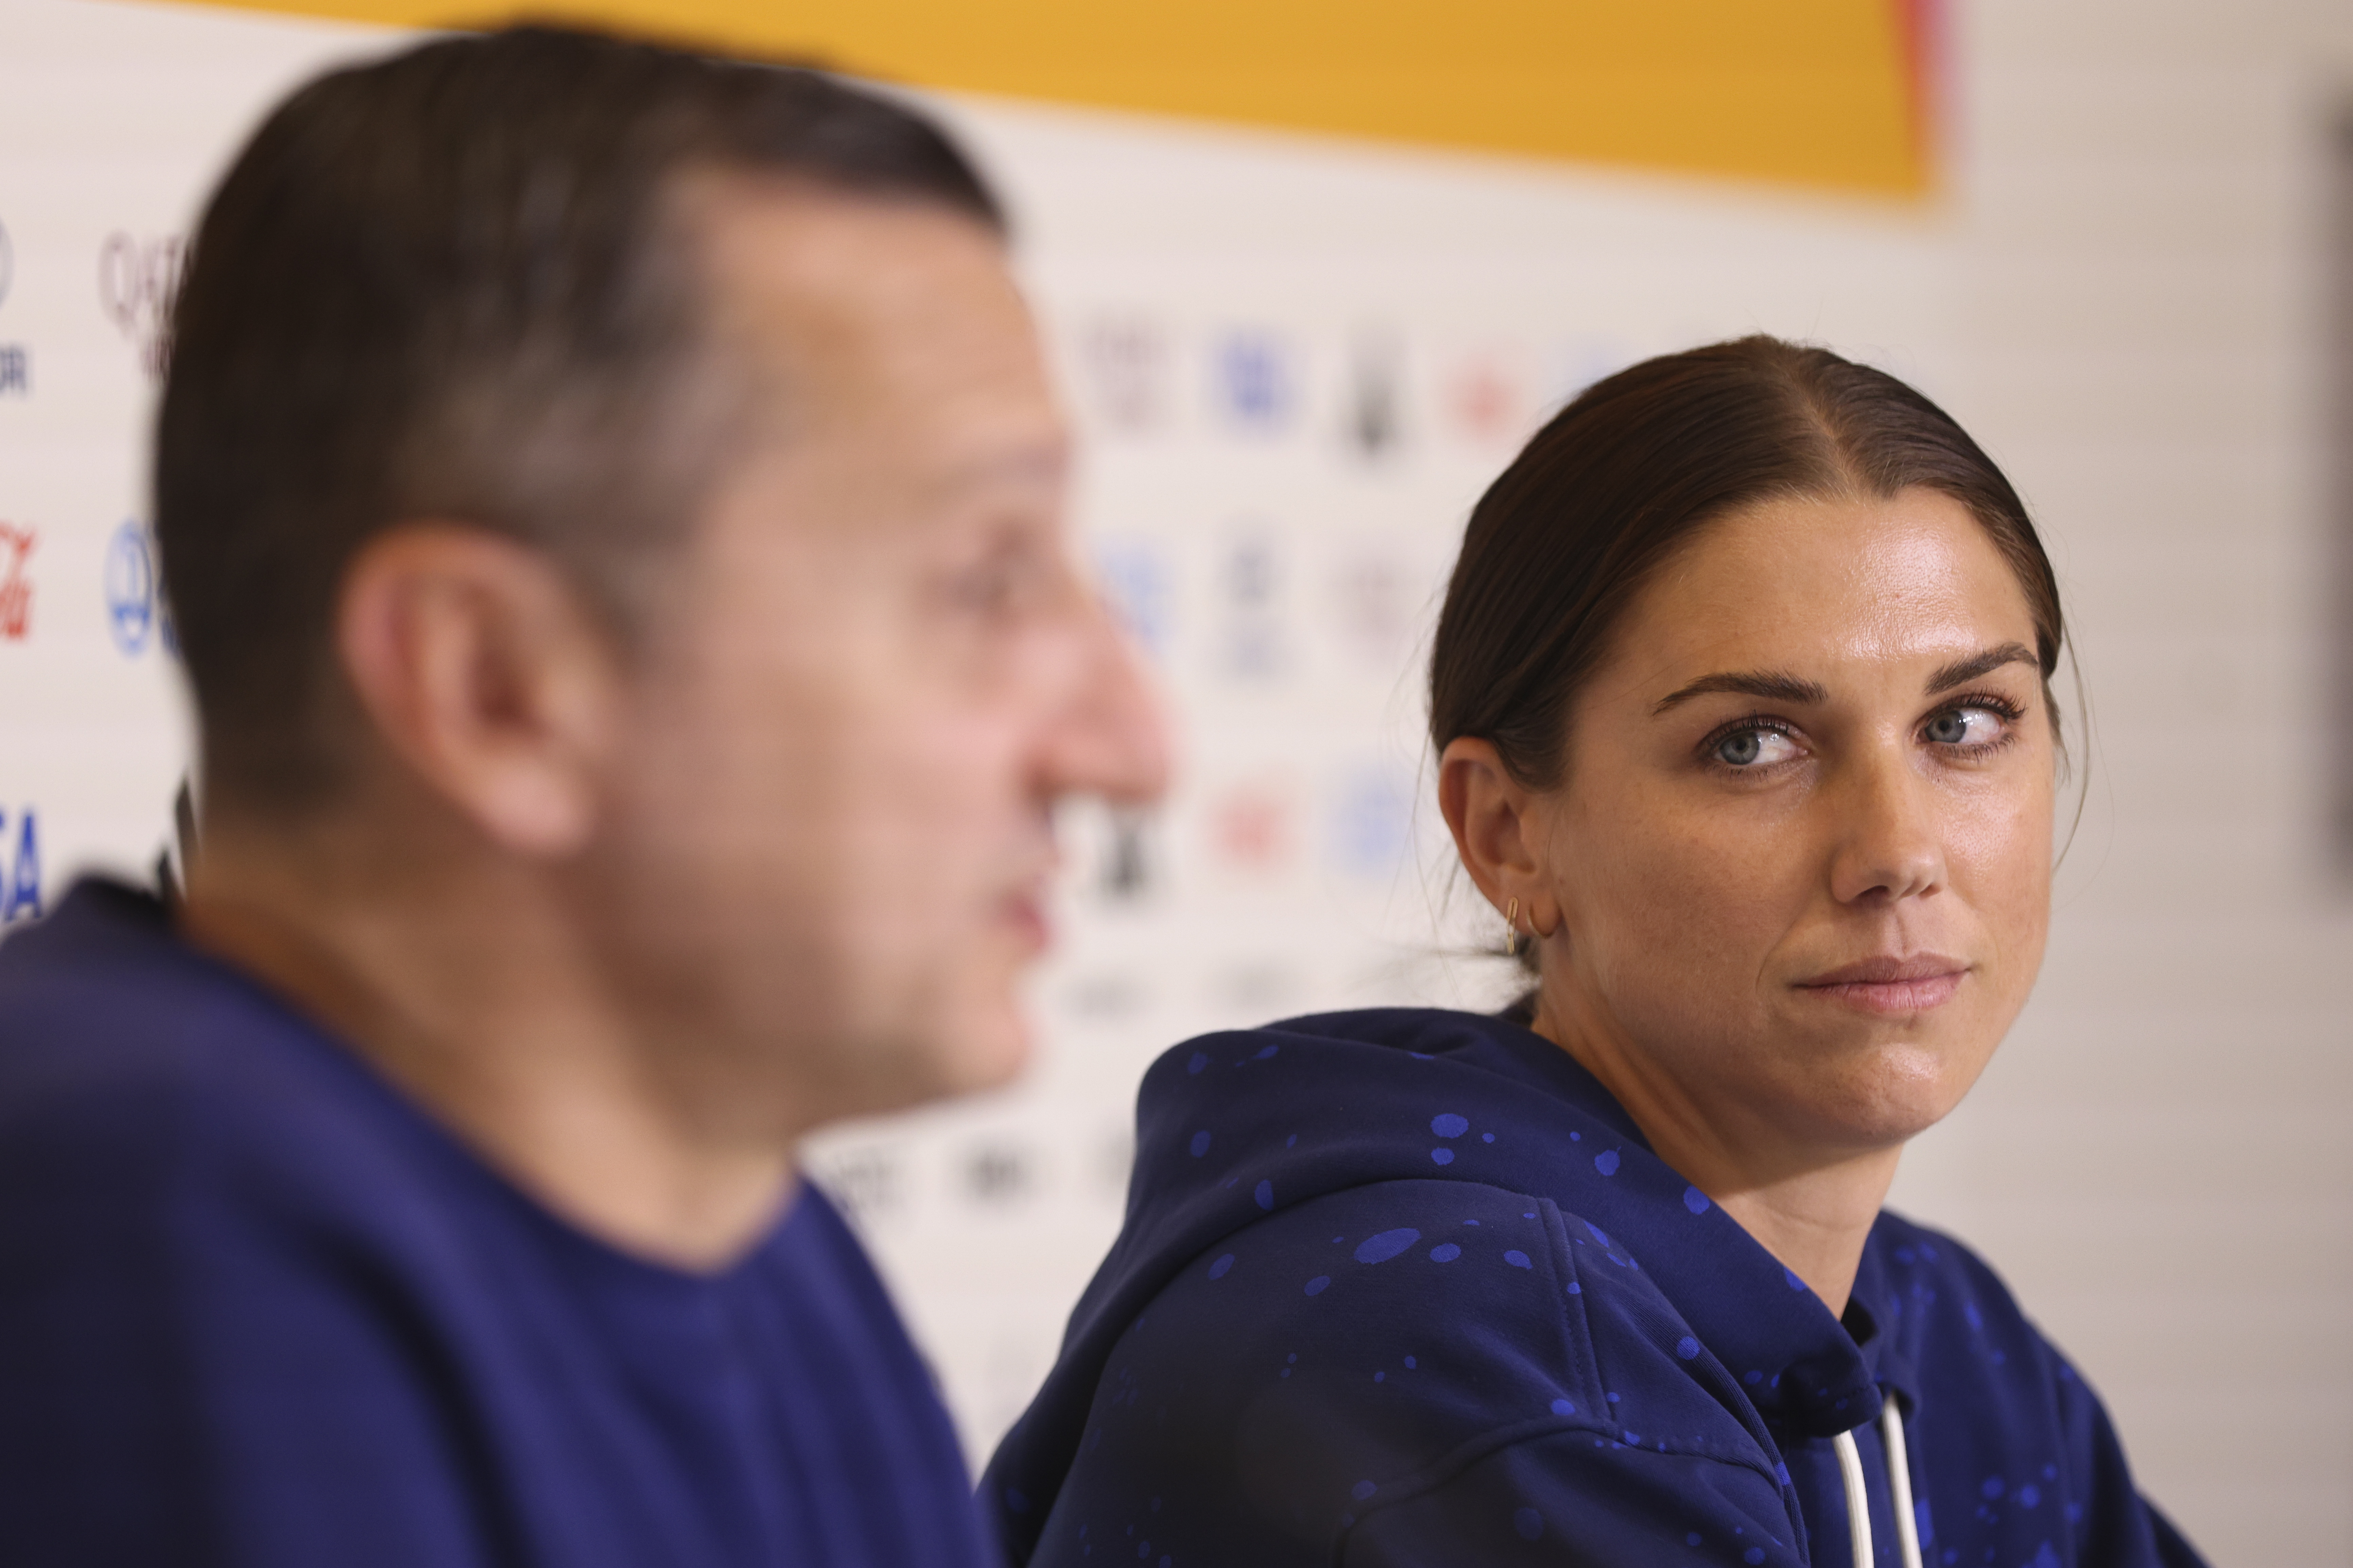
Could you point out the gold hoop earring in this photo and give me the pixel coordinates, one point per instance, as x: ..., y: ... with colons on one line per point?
x: 1512, y: 942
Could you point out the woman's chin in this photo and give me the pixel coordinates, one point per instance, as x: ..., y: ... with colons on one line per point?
x: 1893, y: 1095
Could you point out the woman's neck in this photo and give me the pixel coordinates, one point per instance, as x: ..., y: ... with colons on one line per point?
x: 1811, y: 1207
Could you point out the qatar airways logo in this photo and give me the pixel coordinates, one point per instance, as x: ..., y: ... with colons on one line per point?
x: 137, y: 281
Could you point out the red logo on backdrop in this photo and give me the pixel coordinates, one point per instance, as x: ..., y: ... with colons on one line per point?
x: 1250, y: 827
x: 16, y: 587
x: 1486, y: 400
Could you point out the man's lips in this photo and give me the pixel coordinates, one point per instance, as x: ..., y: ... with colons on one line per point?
x: 1889, y: 984
x: 1024, y: 911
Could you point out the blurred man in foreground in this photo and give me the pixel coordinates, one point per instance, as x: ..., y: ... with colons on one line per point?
x: 611, y: 503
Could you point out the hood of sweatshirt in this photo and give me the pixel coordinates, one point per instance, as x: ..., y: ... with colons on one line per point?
x: 1235, y: 1128
x: 1389, y: 1274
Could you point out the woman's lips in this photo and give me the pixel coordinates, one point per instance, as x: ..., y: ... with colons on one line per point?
x: 1889, y: 984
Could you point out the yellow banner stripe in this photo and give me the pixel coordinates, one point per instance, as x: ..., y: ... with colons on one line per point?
x: 1818, y: 92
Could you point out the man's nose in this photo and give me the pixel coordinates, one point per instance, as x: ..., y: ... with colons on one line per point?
x: 1113, y: 738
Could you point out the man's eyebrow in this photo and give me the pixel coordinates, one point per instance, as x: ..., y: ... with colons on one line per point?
x: 1961, y: 671
x: 1771, y: 685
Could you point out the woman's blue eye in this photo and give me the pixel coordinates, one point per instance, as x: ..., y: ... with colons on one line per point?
x: 1962, y: 727
x: 1749, y: 747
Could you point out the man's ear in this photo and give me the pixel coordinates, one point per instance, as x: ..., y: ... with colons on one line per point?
x: 1489, y: 813
x: 482, y: 669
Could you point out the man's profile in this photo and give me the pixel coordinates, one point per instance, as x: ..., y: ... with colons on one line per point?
x: 612, y: 508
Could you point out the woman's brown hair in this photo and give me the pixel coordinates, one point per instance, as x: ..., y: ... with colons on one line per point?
x: 1630, y: 470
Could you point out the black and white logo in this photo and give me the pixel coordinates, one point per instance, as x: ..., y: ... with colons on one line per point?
x: 136, y: 281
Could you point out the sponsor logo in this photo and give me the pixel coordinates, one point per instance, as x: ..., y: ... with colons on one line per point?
x: 1253, y: 645
x: 135, y: 611
x: 869, y: 1180
x: 137, y: 280
x: 1124, y: 365
x: 1372, y: 822
x: 1127, y: 857
x: 1374, y: 421
x: 20, y: 867
x: 1252, y: 826
x: 997, y: 1174
x: 1374, y: 604
x: 1486, y: 401
x: 15, y: 363
x: 1252, y: 381
x: 1135, y: 577
x: 16, y: 582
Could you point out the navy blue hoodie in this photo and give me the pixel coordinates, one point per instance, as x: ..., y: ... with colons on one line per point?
x: 1408, y: 1287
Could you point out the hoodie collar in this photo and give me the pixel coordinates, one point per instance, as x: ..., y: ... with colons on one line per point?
x: 1807, y: 1371
x: 1874, y: 1320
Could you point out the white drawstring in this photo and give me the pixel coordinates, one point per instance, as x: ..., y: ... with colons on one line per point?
x: 1858, y: 1502
x: 1899, y: 1482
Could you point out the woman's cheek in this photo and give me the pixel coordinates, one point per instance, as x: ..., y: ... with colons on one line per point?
x: 1699, y: 902
x: 2001, y: 865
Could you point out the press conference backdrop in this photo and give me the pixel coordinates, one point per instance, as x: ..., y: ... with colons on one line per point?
x: 1296, y: 359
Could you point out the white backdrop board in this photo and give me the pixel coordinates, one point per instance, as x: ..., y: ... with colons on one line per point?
x: 1294, y: 363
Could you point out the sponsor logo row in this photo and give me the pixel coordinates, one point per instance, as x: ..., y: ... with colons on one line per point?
x: 1138, y: 375
x: 1367, y: 603
x: 1371, y: 600
x: 1373, y: 393
x: 136, y: 278
x: 884, y: 1181
x: 129, y: 590
x: 1248, y: 828
x: 1263, y: 606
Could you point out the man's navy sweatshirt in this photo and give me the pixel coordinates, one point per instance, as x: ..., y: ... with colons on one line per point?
x: 256, y: 1309
x: 1408, y: 1288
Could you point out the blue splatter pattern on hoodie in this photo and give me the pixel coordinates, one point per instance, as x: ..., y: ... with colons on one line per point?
x: 1408, y: 1287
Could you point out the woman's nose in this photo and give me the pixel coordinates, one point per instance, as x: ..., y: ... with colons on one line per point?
x: 1889, y: 839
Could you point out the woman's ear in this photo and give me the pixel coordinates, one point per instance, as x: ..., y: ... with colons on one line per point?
x: 478, y: 664
x: 1497, y: 831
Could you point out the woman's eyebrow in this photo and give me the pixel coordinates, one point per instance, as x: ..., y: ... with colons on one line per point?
x: 1777, y: 687
x: 1961, y: 671
x: 1771, y: 685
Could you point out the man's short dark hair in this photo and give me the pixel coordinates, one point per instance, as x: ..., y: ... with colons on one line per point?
x: 448, y: 284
